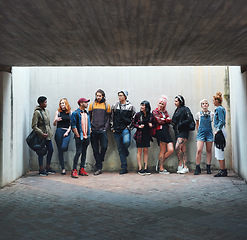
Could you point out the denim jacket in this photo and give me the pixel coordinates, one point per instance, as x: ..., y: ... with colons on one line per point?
x: 219, y: 118
x: 76, y: 122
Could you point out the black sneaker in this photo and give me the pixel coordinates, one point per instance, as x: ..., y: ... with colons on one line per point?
x: 141, y: 172
x: 98, y: 172
x: 147, y: 172
x: 43, y: 173
x: 124, y: 171
x: 221, y: 173
x: 50, y: 171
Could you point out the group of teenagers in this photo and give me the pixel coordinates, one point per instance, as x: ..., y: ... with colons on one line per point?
x: 91, y: 126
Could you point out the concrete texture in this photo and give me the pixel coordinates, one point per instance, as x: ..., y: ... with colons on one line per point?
x: 111, y: 206
x: 123, y: 33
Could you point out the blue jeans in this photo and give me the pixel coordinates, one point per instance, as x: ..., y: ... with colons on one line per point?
x: 123, y: 142
x: 49, y: 146
x: 99, y: 138
x: 81, y: 149
x: 62, y: 144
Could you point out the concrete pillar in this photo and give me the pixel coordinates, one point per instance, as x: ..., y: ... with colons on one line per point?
x: 14, y: 121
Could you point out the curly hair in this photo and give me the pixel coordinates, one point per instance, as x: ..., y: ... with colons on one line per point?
x: 218, y: 97
x: 67, y: 106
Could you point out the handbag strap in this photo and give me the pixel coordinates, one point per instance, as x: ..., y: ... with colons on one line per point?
x: 42, y: 118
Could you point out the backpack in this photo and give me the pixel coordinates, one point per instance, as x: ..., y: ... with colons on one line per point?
x: 192, y: 124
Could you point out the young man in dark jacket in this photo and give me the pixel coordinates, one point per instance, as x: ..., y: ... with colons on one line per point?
x: 121, y: 118
x: 100, y: 113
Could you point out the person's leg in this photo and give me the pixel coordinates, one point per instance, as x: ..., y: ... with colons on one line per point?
x: 179, y: 144
x: 49, y: 153
x: 222, y: 164
x: 78, y: 145
x: 184, y: 154
x: 121, y: 150
x: 95, y: 146
x: 199, y: 145
x: 161, y: 155
x: 139, y: 158
x: 85, y: 143
x: 59, y: 141
x: 145, y: 157
x: 169, y: 151
x: 103, y: 144
x: 126, y: 141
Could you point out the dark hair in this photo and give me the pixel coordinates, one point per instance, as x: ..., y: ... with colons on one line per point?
x: 147, y: 107
x: 181, y: 100
x: 103, y: 95
x: 41, y: 99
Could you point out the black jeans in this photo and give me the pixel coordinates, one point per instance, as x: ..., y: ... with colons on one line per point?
x: 81, y: 149
x: 99, y: 138
x: 49, y: 146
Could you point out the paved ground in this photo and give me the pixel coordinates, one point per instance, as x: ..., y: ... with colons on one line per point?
x: 110, y: 206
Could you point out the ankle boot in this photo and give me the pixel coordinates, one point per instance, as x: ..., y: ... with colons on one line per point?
x: 221, y: 173
x: 198, y: 170
x: 209, y: 169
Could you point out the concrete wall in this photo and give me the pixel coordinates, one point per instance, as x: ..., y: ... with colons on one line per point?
x: 14, y: 108
x: 238, y: 88
x: 143, y: 83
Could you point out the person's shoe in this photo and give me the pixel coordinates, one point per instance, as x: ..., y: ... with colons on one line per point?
x: 98, y: 172
x: 157, y: 165
x: 63, y: 172
x: 221, y: 173
x: 180, y: 168
x: 141, y: 172
x: 83, y: 172
x: 164, y: 172
x: 43, y: 173
x: 123, y: 171
x: 209, y: 169
x: 198, y: 170
x: 74, y: 173
x: 50, y: 171
x: 147, y: 172
x: 184, y: 170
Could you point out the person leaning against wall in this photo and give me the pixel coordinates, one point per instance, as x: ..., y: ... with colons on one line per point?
x: 220, y: 133
x: 81, y: 126
x: 142, y: 121
x: 162, y: 121
x: 121, y: 119
x: 41, y: 125
x: 204, y: 120
x: 99, y: 112
x: 62, y: 135
x: 181, y: 119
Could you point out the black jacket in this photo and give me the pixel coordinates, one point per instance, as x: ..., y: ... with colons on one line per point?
x: 181, y: 119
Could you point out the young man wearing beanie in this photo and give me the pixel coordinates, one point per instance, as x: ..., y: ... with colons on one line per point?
x: 99, y: 112
x: 121, y: 118
x: 81, y: 126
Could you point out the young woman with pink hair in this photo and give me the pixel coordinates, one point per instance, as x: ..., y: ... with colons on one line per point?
x: 162, y: 121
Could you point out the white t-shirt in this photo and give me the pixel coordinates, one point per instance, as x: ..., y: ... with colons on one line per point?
x: 198, y: 116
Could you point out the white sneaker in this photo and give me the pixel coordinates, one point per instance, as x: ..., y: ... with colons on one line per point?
x: 164, y: 172
x: 180, y: 168
x: 184, y: 170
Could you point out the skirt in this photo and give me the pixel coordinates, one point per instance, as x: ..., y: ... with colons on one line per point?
x: 163, y: 135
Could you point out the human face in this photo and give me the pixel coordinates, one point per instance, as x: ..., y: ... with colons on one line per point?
x: 176, y: 102
x: 62, y: 104
x: 99, y: 96
x: 121, y: 97
x: 43, y: 104
x: 204, y: 105
x: 161, y: 105
x: 216, y: 102
x: 143, y: 108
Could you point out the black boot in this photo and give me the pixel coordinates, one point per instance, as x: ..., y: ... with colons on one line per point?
x: 221, y: 173
x: 198, y: 170
x: 209, y: 169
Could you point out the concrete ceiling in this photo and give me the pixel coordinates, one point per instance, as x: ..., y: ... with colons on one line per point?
x: 123, y: 32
